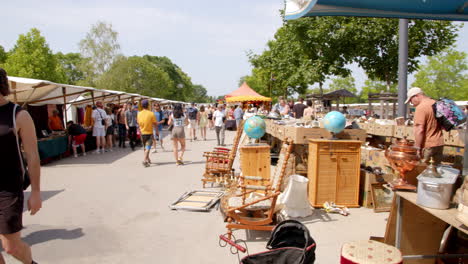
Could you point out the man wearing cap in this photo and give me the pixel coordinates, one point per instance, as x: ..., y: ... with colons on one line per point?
x: 147, y: 122
x: 427, y: 131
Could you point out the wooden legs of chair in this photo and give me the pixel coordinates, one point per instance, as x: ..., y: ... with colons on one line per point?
x: 223, y: 179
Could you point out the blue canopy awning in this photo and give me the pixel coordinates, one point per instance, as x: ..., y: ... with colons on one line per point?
x: 456, y: 10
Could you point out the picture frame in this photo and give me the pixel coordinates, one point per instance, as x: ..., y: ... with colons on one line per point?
x: 382, y: 197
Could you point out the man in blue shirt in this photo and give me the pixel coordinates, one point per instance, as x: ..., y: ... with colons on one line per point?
x: 238, y: 114
x: 158, y: 132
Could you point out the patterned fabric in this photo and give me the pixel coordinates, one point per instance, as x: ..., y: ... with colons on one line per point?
x: 370, y: 252
x: 448, y: 114
x: 237, y: 201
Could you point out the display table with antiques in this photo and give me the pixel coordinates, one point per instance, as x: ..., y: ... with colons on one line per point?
x: 418, y: 230
x: 334, y: 171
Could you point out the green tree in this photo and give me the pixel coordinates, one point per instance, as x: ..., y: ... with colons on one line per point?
x: 70, y: 67
x: 444, y: 75
x: 347, y: 83
x: 307, y: 51
x: 375, y: 86
x: 182, y: 88
x: 377, y: 45
x: 100, y: 48
x: 31, y: 57
x: 199, y: 94
x: 3, y: 55
x: 136, y: 75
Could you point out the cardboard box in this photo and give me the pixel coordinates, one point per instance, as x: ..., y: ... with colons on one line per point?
x: 384, y: 130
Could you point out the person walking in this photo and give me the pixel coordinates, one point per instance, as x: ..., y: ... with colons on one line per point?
x: 428, y: 133
x: 193, y: 117
x: 158, y: 134
x: 131, y: 123
x: 121, y: 126
x: 16, y: 127
x: 77, y: 137
x: 178, y: 120
x: 298, y: 109
x: 238, y: 115
x: 99, y: 127
x: 219, y: 118
x: 110, y: 127
x: 146, y: 121
x: 203, y: 122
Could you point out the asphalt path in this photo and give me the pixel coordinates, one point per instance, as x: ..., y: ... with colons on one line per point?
x: 108, y: 208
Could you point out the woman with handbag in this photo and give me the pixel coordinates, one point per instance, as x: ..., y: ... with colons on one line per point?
x: 16, y: 128
x: 177, y: 121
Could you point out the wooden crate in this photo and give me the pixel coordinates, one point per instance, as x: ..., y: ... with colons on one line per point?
x: 255, y: 160
x: 300, y: 135
x: 334, y: 171
x: 399, y: 131
x: 281, y: 132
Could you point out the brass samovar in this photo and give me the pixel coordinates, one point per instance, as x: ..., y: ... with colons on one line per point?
x: 403, y: 157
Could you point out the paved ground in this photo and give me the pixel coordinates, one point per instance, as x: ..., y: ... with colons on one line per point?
x: 107, y: 208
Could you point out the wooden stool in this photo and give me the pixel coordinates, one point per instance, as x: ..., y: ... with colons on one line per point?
x: 370, y: 252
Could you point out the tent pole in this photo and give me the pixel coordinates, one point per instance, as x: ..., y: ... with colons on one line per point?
x: 402, y: 66
x: 64, y: 92
x: 92, y: 97
x: 13, y: 87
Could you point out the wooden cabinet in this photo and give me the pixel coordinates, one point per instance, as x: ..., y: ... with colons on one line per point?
x: 333, y: 172
x: 255, y: 160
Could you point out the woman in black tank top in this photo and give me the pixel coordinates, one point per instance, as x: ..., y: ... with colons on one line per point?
x: 12, y: 171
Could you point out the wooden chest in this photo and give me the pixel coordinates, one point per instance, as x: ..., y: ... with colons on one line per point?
x: 255, y: 160
x: 333, y: 172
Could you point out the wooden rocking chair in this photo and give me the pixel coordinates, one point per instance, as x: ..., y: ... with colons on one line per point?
x: 218, y: 168
x: 256, y: 213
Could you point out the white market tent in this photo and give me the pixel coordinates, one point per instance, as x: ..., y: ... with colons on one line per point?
x: 42, y: 92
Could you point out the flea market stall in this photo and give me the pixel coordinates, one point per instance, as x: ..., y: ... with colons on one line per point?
x: 46, y: 101
x: 248, y: 99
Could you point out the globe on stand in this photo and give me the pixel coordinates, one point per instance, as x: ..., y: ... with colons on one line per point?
x: 255, y: 128
x: 334, y: 122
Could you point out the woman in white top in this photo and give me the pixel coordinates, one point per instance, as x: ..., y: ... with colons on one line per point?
x: 178, y: 121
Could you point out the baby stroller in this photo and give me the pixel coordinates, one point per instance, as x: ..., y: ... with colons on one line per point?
x: 290, y: 243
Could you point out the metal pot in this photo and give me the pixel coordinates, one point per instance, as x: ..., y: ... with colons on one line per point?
x: 403, y: 157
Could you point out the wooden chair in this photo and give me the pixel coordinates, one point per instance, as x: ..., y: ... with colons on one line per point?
x: 244, y: 211
x: 218, y: 168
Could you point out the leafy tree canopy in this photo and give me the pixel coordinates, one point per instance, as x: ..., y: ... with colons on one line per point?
x: 100, y: 48
x: 310, y: 50
x: 3, y: 55
x: 136, y: 75
x: 31, y: 57
x: 70, y: 67
x: 445, y: 75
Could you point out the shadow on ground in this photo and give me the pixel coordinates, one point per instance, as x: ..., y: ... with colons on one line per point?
x: 53, y: 234
x: 45, y: 195
x: 94, y: 158
x: 319, y: 215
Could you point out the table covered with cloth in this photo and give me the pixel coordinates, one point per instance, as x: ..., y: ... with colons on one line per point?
x: 52, y: 147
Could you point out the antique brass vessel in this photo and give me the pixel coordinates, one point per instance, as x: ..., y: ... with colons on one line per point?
x: 403, y: 157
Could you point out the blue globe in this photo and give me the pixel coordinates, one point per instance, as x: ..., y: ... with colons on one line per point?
x: 255, y: 127
x: 334, y: 122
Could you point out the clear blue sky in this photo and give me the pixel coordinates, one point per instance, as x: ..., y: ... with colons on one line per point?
x: 207, y: 39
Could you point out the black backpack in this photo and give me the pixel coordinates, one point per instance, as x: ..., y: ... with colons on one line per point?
x: 192, y: 113
x: 290, y: 243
